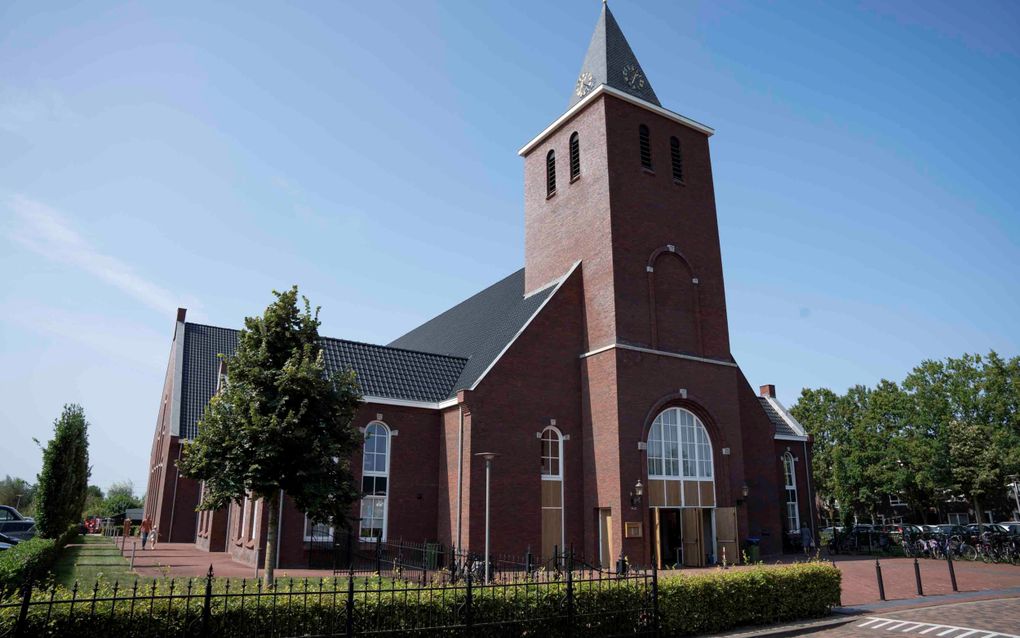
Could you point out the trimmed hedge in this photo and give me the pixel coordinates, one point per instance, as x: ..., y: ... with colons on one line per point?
x: 711, y: 601
x: 31, y: 560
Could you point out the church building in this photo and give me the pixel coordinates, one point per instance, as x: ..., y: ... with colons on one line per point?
x: 599, y: 375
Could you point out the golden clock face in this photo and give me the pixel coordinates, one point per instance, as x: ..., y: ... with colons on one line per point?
x: 633, y: 77
x: 585, y: 83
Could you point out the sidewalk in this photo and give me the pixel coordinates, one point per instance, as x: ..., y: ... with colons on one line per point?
x: 184, y: 560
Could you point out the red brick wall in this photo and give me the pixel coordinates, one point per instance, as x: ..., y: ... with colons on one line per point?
x: 535, y: 381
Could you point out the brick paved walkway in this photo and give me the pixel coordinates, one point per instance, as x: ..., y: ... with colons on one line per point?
x: 184, y: 559
x: 982, y: 619
x: 860, y: 584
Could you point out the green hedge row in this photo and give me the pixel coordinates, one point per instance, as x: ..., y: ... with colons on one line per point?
x: 31, y: 559
x: 711, y: 601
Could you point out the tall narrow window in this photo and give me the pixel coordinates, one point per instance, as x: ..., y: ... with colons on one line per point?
x: 375, y: 472
x: 575, y: 157
x: 792, y: 511
x: 678, y: 159
x: 550, y: 174
x: 646, y: 147
x: 552, y: 493
x: 255, y: 511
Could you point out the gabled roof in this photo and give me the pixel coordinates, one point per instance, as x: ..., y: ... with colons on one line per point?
x: 611, y: 61
x: 479, y: 328
x: 382, y: 371
x: 782, y: 420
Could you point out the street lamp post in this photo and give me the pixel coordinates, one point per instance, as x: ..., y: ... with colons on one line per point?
x: 488, y: 456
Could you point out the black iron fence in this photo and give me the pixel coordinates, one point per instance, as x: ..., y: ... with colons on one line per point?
x: 429, y: 561
x: 571, y: 600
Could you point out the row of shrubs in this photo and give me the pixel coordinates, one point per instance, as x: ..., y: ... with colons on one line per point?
x: 31, y: 560
x: 688, y: 604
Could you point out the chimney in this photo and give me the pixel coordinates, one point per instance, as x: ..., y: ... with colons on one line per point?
x: 181, y: 312
x: 768, y: 391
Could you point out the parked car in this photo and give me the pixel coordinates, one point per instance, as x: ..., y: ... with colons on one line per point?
x: 14, y: 525
x: 1013, y: 527
x: 950, y: 529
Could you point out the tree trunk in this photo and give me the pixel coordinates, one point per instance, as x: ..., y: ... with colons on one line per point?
x: 980, y: 517
x: 272, y: 532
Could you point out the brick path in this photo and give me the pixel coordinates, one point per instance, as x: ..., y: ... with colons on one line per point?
x: 184, y: 559
x: 982, y: 619
x: 860, y: 584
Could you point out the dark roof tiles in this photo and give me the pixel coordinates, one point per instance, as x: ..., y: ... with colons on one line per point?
x: 393, y: 373
x: 782, y: 427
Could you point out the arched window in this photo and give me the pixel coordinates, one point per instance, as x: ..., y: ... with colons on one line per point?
x: 678, y: 446
x: 552, y: 492
x: 792, y: 511
x: 375, y: 472
x: 575, y: 157
x: 550, y: 174
x: 552, y: 449
x: 678, y: 160
x: 646, y: 147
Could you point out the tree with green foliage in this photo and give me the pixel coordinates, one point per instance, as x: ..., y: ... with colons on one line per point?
x: 93, y: 501
x: 63, y: 481
x: 280, y: 424
x: 18, y: 493
x: 951, y: 429
x: 119, y: 498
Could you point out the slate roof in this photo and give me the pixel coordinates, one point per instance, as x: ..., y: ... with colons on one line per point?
x: 382, y: 371
x: 607, y: 57
x: 782, y: 427
x: 478, y: 328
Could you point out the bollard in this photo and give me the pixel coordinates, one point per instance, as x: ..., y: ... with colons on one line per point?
x: 952, y: 572
x: 881, y: 586
x: 133, y: 548
x: 917, y: 577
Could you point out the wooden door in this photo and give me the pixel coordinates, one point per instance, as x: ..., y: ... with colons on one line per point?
x: 606, y: 537
x: 726, y: 535
x: 694, y: 556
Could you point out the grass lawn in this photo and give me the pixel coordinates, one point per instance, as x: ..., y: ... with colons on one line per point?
x: 86, y: 557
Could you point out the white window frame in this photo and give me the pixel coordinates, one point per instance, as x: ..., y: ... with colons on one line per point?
x: 242, y: 532
x: 383, y: 474
x: 256, y: 510
x: 790, y: 486
x: 309, y: 527
x: 558, y: 476
x: 690, y: 437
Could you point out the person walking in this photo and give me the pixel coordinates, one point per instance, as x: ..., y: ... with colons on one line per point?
x: 807, y: 539
x: 145, y: 528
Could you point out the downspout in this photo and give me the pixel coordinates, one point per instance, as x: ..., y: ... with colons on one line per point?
x: 173, y: 505
x: 460, y: 473
x: 811, y: 495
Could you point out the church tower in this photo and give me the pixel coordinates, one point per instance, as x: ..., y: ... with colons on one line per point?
x: 624, y: 186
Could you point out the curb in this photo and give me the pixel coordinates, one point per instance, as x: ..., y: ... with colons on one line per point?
x: 788, y: 629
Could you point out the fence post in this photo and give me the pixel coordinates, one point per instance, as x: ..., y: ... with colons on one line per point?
x: 952, y: 572
x: 207, y: 603
x: 917, y: 577
x: 26, y: 593
x: 468, y: 619
x: 350, y: 602
x: 655, y: 598
x: 378, y: 554
x: 881, y: 586
x: 570, y: 598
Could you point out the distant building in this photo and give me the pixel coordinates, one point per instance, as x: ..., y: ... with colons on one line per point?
x: 601, y: 373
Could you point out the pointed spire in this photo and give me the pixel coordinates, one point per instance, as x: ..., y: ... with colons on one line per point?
x: 610, y: 61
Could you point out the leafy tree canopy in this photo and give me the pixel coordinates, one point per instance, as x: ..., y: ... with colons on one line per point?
x: 280, y: 422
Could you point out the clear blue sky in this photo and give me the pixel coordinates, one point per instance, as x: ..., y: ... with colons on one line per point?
x: 865, y: 161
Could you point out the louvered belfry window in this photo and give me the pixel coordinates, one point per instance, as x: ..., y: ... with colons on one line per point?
x: 646, y: 147
x: 575, y: 157
x: 678, y: 159
x: 550, y: 173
